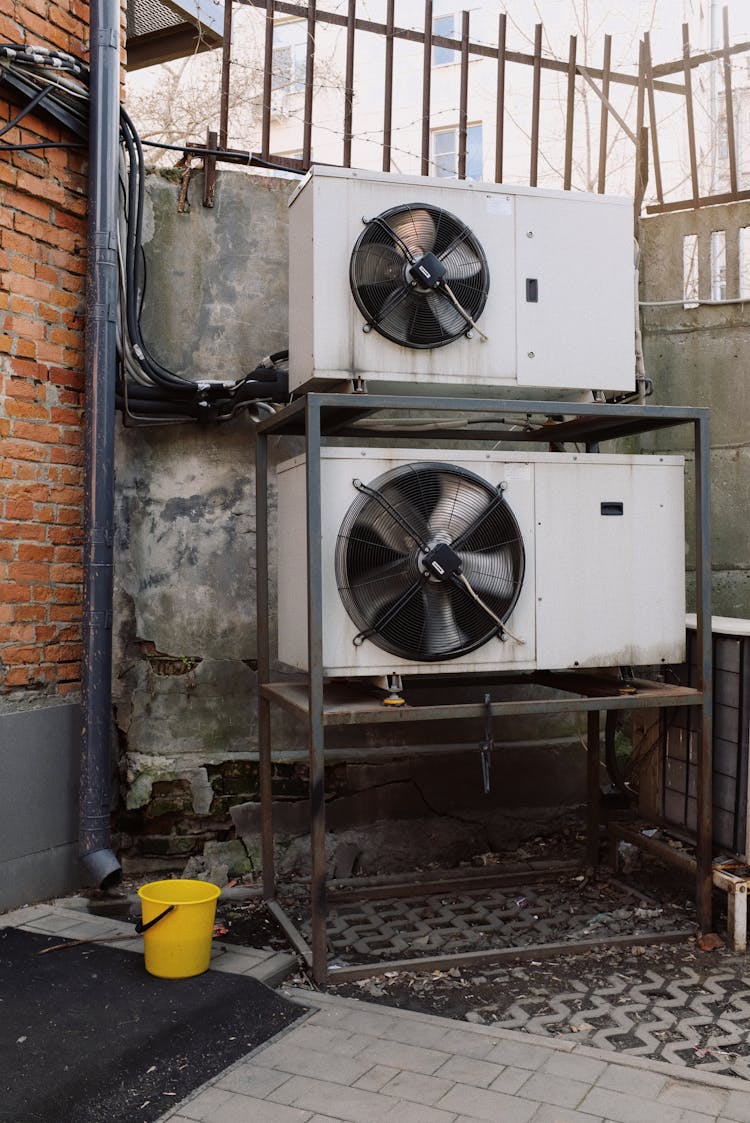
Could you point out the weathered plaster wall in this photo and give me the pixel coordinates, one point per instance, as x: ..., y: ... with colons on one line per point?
x: 186, y: 690
x: 699, y: 356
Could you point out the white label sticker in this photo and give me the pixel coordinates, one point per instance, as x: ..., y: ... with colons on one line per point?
x: 499, y: 204
x: 516, y: 472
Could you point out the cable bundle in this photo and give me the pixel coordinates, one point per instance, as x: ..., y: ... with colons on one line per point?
x: 147, y: 392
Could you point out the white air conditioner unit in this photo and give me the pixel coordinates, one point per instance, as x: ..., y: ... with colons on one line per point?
x: 485, y: 561
x: 398, y: 279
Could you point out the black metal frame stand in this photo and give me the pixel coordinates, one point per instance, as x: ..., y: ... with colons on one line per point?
x: 321, y: 416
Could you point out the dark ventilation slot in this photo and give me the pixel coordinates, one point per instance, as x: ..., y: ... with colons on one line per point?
x: 612, y: 508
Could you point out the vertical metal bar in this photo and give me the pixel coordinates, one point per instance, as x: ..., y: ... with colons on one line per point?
x: 226, y: 62
x: 604, y: 120
x: 704, y: 816
x: 349, y: 83
x: 209, y: 170
x: 652, y: 116
x: 316, y: 729
x: 500, y: 100
x: 641, y: 171
x: 426, y: 87
x: 569, y: 114
x: 594, y: 794
x: 265, y: 133
x: 264, y: 664
x: 687, y: 71
x: 640, y: 111
x: 309, y: 80
x: 536, y: 90
x: 463, y: 105
x: 388, y: 86
x: 731, y: 145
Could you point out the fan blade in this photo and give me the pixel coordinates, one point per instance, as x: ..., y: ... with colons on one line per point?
x: 449, y: 320
x: 491, y: 574
x: 441, y: 631
x: 459, y: 503
x: 379, y: 263
x: 379, y: 588
x: 373, y: 522
x: 462, y: 265
x: 415, y: 228
x: 398, y: 318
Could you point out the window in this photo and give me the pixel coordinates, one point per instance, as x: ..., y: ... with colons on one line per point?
x: 445, y: 153
x: 289, y: 57
x: 444, y: 25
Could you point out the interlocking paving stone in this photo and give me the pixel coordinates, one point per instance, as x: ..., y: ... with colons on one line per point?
x: 696, y: 1020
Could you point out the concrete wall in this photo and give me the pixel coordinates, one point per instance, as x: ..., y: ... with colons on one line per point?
x: 186, y: 689
x: 698, y: 356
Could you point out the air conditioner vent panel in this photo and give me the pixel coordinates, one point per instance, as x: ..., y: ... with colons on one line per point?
x: 413, y: 269
x: 384, y: 583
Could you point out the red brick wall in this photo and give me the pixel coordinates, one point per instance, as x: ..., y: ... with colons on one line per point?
x: 42, y: 267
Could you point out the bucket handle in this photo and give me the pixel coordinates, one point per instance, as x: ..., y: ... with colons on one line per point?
x: 141, y: 927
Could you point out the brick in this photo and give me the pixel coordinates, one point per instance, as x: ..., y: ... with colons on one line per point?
x: 26, y: 573
x: 20, y: 407
x: 42, y: 432
x: 17, y: 676
x: 26, y: 348
x: 16, y: 654
x: 22, y: 509
x: 66, y: 574
x: 33, y: 613
x: 35, y: 552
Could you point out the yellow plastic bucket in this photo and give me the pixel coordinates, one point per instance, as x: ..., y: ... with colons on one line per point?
x: 177, y: 923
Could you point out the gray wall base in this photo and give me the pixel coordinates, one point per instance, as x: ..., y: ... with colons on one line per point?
x: 39, y: 754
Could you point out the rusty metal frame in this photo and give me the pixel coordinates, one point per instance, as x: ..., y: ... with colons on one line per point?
x: 648, y: 80
x: 319, y: 416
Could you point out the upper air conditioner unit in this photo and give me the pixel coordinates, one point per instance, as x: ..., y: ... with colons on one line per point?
x: 416, y: 281
x: 485, y: 561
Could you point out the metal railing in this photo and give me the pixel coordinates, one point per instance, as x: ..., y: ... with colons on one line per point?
x: 648, y: 83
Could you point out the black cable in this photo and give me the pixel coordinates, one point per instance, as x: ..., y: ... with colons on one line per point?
x: 168, y: 397
x: 45, y: 144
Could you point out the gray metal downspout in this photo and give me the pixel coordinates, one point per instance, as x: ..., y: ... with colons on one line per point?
x: 101, y: 309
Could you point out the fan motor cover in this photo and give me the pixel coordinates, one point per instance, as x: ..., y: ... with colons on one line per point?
x: 397, y: 596
x: 419, y: 275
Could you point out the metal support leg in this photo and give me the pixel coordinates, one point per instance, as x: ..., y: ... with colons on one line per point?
x: 594, y: 796
x: 264, y: 665
x: 704, y: 848
x: 316, y: 727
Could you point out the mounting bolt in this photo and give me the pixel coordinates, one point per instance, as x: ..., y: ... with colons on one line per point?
x: 529, y: 233
x: 531, y: 354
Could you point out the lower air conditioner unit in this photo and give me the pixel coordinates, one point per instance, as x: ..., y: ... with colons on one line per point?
x: 485, y: 561
x: 411, y: 281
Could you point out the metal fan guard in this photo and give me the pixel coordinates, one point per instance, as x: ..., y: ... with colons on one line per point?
x: 377, y: 561
x: 420, y: 319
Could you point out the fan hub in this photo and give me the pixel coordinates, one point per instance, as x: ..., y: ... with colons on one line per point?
x: 427, y: 271
x: 440, y: 562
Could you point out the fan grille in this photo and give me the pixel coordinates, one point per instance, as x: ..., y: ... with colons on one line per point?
x: 416, y: 315
x: 379, y: 561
